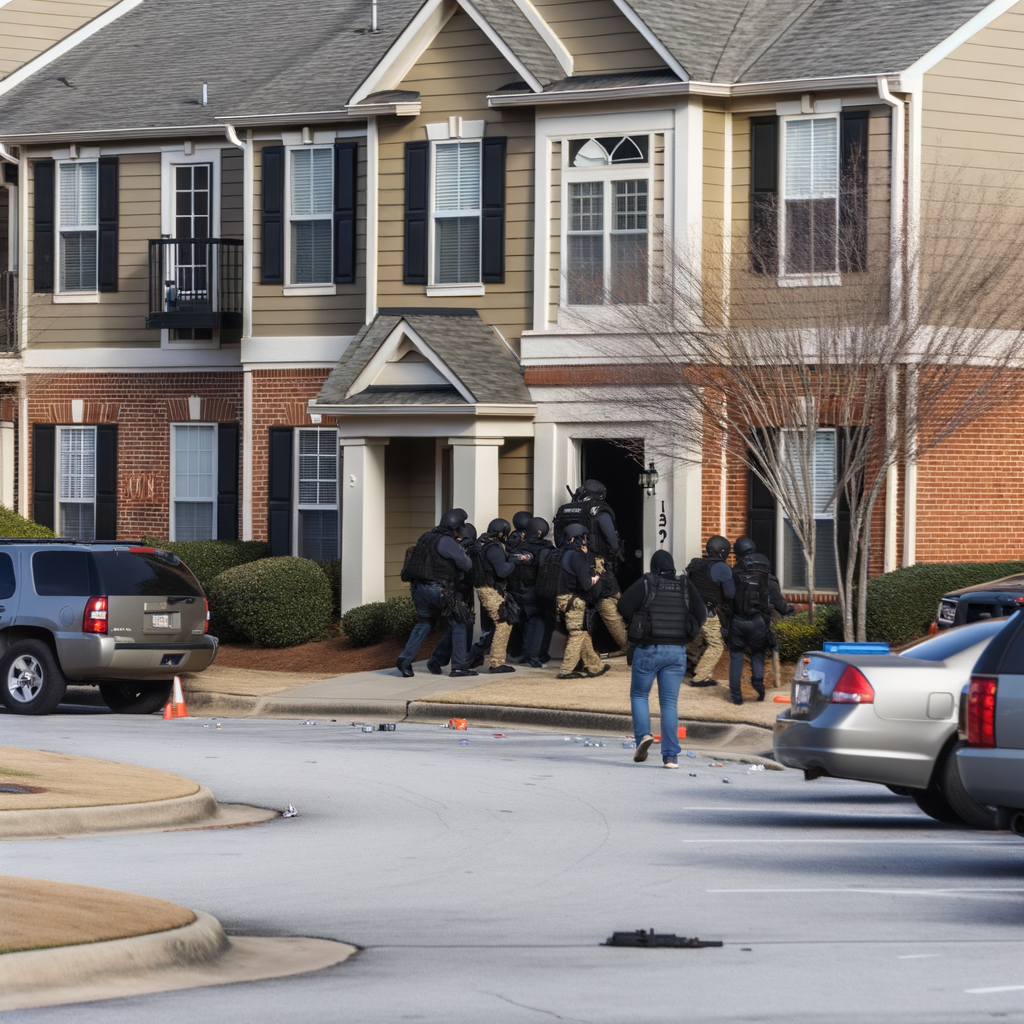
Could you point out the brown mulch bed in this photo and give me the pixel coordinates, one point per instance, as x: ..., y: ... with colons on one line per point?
x: 331, y: 657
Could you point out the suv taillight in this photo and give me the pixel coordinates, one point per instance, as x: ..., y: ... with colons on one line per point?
x: 981, y: 711
x: 206, y: 625
x: 853, y: 688
x: 94, y: 620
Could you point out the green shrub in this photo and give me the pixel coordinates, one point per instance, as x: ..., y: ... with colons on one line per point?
x: 332, y: 570
x: 797, y: 635
x: 275, y: 602
x: 901, y: 604
x: 379, y: 620
x: 209, y: 558
x: 13, y: 525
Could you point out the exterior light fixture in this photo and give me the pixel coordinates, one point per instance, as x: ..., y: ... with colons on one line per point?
x: 649, y: 479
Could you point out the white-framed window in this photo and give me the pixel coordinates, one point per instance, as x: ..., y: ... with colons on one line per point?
x: 77, y: 225
x: 809, y: 211
x: 456, y: 212
x: 608, y: 221
x: 76, y: 482
x: 317, y: 509
x: 794, y: 574
x: 310, y: 215
x: 193, y: 481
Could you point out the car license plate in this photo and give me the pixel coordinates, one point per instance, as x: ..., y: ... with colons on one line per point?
x: 802, y: 697
x: 162, y: 621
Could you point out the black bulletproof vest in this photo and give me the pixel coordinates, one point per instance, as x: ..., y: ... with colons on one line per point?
x: 426, y: 565
x: 699, y: 573
x: 571, y: 512
x: 594, y: 507
x: 668, y: 611
x: 526, y: 572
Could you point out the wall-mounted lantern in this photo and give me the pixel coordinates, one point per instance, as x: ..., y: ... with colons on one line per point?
x: 649, y: 479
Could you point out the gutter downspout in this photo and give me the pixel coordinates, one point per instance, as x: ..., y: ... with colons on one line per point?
x: 13, y: 236
x: 248, y: 212
x: 897, y: 251
x: 372, y: 215
x: 5, y: 155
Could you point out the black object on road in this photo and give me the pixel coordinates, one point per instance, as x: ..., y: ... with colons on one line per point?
x: 386, y: 727
x: 652, y: 941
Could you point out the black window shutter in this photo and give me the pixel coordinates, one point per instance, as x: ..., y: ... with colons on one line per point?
x: 417, y: 187
x: 227, y: 481
x: 492, y: 244
x: 108, y: 202
x: 279, y: 496
x: 345, y: 158
x: 273, y: 215
x: 764, y: 195
x: 43, y: 239
x: 761, y: 504
x: 44, y: 438
x: 106, y: 482
x: 853, y: 193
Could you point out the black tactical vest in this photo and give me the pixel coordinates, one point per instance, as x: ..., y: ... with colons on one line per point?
x: 593, y: 507
x: 423, y: 563
x: 668, y: 611
x: 699, y: 573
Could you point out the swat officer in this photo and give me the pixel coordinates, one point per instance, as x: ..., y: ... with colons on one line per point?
x: 433, y: 568
x: 516, y: 539
x: 534, y: 617
x: 493, y: 595
x: 442, y: 653
x: 757, y: 593
x: 664, y: 613
x: 712, y: 577
x: 520, y: 523
x: 606, y: 551
x: 576, y: 580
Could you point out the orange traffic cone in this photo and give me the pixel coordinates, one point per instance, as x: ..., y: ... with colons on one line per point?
x: 175, y: 707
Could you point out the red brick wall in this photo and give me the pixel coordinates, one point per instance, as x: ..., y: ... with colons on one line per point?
x: 143, y: 405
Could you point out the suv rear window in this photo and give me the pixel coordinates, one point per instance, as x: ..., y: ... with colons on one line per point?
x: 117, y: 573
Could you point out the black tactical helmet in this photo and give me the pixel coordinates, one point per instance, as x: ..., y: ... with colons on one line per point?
x: 467, y: 532
x: 744, y: 546
x: 718, y: 547
x: 453, y: 519
x: 594, y: 489
x: 499, y: 528
x: 574, y: 530
x: 538, y: 526
x: 521, y: 520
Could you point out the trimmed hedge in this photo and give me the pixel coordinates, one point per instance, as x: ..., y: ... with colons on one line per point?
x: 379, y: 620
x: 797, y: 635
x: 13, y: 525
x: 209, y: 558
x: 332, y: 570
x: 902, y: 604
x: 275, y: 602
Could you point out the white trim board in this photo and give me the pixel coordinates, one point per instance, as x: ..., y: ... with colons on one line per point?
x: 295, y: 350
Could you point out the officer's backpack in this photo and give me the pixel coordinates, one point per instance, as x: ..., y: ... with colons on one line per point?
x: 418, y: 566
x: 751, y: 591
x: 477, y: 576
x: 549, y: 574
x: 571, y: 512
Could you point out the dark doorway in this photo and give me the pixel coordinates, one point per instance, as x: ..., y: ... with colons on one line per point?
x: 618, y: 470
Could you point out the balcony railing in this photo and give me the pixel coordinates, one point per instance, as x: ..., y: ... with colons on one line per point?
x: 8, y: 312
x: 195, y: 283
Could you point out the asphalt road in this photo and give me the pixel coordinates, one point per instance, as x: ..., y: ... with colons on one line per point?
x: 480, y: 878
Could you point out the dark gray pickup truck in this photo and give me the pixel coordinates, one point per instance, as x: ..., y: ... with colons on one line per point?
x: 120, y: 616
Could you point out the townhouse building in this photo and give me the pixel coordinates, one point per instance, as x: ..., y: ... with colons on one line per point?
x: 312, y: 273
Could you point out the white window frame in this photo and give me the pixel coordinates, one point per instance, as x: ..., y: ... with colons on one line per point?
x: 781, y: 518
x: 172, y: 530
x: 435, y: 287
x: 817, y: 279
x: 299, y: 506
x: 291, y: 287
x: 74, y: 294
x: 58, y: 500
x: 608, y: 175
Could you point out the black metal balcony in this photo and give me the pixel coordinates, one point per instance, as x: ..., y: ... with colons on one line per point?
x: 8, y: 312
x: 195, y: 283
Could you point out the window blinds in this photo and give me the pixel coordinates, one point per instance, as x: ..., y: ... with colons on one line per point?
x: 812, y: 158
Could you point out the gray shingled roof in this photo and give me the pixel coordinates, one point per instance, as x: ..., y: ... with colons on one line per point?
x: 147, y: 68
x: 469, y: 348
x: 505, y: 17
x: 732, y: 41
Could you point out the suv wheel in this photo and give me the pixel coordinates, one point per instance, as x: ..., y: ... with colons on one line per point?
x: 970, y: 811
x: 31, y: 682
x: 135, y: 698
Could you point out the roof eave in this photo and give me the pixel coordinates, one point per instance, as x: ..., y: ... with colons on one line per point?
x: 478, y: 409
x: 356, y: 112
x: 105, y: 134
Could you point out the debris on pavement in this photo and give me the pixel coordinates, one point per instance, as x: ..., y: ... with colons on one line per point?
x: 652, y: 941
x: 690, y: 753
x: 725, y: 780
x: 289, y: 812
x: 386, y: 727
x: 368, y: 728
x: 499, y: 735
x: 716, y: 764
x: 464, y: 741
x: 757, y: 768
x: 308, y: 721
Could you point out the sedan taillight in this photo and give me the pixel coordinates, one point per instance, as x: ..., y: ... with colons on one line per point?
x: 206, y: 624
x: 981, y: 711
x: 94, y: 619
x: 853, y: 688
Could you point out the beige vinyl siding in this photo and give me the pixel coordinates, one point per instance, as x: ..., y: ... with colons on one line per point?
x: 28, y: 27
x: 408, y: 503
x: 713, y: 240
x: 275, y: 314
x: 515, y: 478
x: 598, y: 36
x: 232, y: 198
x: 454, y: 76
x: 119, y: 317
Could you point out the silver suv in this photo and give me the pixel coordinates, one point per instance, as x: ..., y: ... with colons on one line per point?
x: 120, y: 616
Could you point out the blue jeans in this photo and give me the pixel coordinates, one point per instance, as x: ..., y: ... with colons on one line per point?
x: 452, y: 647
x: 667, y: 663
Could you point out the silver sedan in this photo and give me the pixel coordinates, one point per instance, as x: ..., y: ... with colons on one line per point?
x: 890, y: 719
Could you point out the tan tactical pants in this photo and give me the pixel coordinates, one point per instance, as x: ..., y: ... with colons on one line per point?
x: 711, y: 631
x: 609, y: 611
x: 578, y: 645
x: 491, y: 601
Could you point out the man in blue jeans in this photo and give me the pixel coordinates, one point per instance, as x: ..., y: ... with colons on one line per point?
x: 665, y: 612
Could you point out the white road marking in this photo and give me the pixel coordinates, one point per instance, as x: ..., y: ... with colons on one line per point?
x: 997, y: 988
x: 874, y: 892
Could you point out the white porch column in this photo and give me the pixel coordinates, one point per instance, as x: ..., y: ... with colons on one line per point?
x: 475, y: 477
x: 362, y: 521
